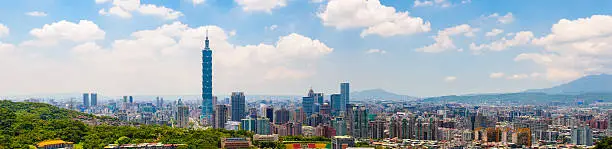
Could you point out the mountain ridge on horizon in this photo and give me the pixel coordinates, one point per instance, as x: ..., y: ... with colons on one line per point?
x: 601, y: 83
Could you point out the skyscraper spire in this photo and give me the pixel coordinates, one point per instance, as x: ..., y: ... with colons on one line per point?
x: 206, y: 42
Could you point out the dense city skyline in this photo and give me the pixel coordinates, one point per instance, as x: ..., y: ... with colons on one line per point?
x: 305, y: 74
x: 406, y: 47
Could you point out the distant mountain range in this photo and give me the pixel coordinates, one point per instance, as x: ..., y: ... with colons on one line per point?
x: 378, y: 94
x: 588, y: 84
x: 588, y: 89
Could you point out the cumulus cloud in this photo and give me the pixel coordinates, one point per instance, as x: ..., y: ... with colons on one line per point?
x: 444, y: 41
x: 271, y: 27
x: 494, y: 32
x: 575, y: 48
x: 439, y: 3
x: 102, y: 1
x: 376, y: 18
x: 36, y: 14
x: 197, y: 2
x: 4, y: 31
x: 376, y: 51
x: 520, y: 76
x: 165, y: 60
x: 125, y: 8
x: 523, y: 76
x: 261, y: 5
x: 520, y: 38
x: 317, y: 1
x: 51, y: 34
x: 505, y: 19
x: 496, y: 75
x: 450, y: 79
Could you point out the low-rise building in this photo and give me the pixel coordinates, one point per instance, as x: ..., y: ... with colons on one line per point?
x: 270, y: 138
x: 235, y: 143
x: 54, y: 144
x: 342, y: 142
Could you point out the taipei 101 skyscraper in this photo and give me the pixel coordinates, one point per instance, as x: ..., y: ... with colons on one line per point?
x: 207, y: 97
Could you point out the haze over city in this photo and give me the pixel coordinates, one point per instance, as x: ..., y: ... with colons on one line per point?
x: 283, y: 47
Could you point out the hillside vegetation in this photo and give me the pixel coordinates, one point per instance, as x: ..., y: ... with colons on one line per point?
x: 23, y: 124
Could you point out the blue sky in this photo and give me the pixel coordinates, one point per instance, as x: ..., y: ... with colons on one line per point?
x: 118, y: 47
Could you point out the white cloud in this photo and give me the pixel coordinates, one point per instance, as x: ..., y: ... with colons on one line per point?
x: 317, y: 1
x: 163, y: 12
x: 102, y: 1
x: 271, y: 27
x: 197, y: 2
x: 376, y: 18
x: 494, y: 32
x: 520, y: 38
x: 580, y: 29
x: 521, y: 76
x: 418, y: 3
x: 125, y: 8
x: 505, y: 19
x: 36, y: 14
x: 170, y: 55
x: 439, y: 3
x: 450, y: 79
x: 575, y: 48
x: 496, y: 75
x: 377, y: 51
x: 4, y: 31
x: 51, y: 34
x: 444, y: 41
x: 518, y: 77
x: 4, y: 48
x: 232, y: 33
x: 261, y: 5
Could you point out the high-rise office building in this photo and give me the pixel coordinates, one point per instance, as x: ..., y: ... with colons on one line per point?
x: 308, y: 105
x: 207, y: 97
x: 249, y: 124
x: 582, y: 135
x: 238, y: 106
x: 257, y: 125
x: 377, y: 129
x: 182, y: 115
x: 318, y: 98
x: 395, y: 128
x: 311, y: 103
x: 325, y: 109
x: 263, y: 126
x: 281, y: 116
x: 345, y: 91
x: 360, y: 122
x: 94, y: 99
x: 270, y: 113
x: 348, y: 118
x: 337, y: 104
x: 340, y: 125
x: 157, y: 102
x: 220, y: 116
x: 86, y: 100
x: 131, y: 99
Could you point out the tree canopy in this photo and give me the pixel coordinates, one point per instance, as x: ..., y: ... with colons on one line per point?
x: 23, y: 124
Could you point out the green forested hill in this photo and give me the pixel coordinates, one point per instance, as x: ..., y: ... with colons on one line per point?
x: 23, y: 124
